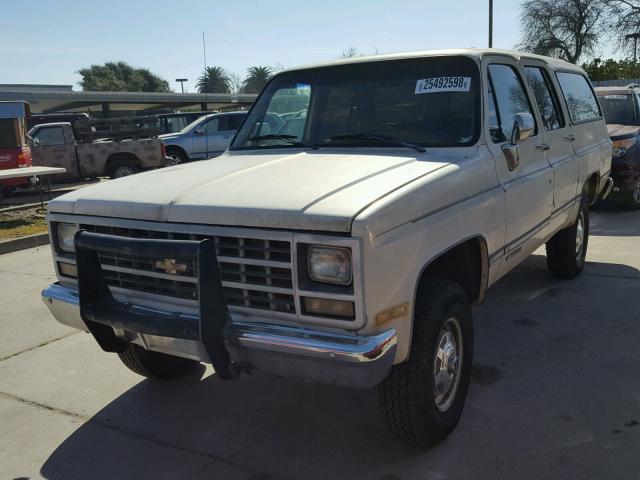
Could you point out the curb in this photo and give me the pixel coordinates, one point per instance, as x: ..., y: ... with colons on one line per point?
x: 22, y: 243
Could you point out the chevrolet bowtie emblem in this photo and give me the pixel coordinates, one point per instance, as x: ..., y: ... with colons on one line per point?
x: 170, y: 266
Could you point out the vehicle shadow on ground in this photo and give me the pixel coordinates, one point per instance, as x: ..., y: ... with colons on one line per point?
x: 540, y: 405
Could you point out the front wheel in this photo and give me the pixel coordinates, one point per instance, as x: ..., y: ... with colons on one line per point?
x: 175, y: 157
x: 631, y: 200
x: 153, y: 364
x: 567, y: 249
x: 422, y: 399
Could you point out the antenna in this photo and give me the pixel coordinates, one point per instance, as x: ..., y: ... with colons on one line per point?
x: 206, y: 131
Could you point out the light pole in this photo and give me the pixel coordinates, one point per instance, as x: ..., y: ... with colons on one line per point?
x: 181, y: 81
x: 490, y: 23
x: 635, y: 37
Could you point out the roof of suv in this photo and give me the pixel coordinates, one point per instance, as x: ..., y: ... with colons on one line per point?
x: 476, y: 53
x: 616, y: 90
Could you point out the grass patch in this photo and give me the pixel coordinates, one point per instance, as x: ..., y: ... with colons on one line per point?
x: 21, y: 224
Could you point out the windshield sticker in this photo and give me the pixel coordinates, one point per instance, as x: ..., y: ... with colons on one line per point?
x: 615, y: 97
x: 443, y: 84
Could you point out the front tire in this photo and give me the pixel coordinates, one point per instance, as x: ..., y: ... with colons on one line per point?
x: 422, y: 399
x: 631, y: 200
x: 567, y: 249
x: 153, y: 364
x: 175, y: 157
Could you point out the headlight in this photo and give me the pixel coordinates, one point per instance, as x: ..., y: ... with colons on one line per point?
x: 66, y: 235
x: 330, y: 264
x: 620, y: 147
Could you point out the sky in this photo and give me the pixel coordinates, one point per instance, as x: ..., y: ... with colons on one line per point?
x: 48, y: 41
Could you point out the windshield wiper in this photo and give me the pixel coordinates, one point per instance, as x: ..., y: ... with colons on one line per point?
x: 372, y: 137
x: 289, y: 139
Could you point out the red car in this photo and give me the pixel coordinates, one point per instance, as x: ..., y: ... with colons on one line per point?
x: 14, y: 147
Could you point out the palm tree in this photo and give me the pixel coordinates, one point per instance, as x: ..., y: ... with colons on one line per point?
x: 257, y: 78
x: 214, y: 80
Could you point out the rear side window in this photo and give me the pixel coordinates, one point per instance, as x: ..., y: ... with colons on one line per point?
x: 581, y: 102
x: 50, y: 136
x: 546, y: 100
x: 507, y: 98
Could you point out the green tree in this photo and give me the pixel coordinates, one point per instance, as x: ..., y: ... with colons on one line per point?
x: 611, y: 69
x: 256, y: 79
x: 567, y: 29
x: 214, y: 80
x: 120, y: 77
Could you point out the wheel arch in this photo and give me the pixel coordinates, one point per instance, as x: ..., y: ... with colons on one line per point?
x: 472, y: 255
x: 591, y: 188
x: 122, y: 157
x: 173, y: 146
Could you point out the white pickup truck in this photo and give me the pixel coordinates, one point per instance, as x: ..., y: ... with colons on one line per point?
x: 348, y: 246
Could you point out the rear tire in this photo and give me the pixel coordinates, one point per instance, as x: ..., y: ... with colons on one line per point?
x: 567, y: 249
x: 422, y: 399
x: 122, y: 168
x: 153, y: 364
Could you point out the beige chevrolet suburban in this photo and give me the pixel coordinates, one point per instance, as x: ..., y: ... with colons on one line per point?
x: 349, y: 245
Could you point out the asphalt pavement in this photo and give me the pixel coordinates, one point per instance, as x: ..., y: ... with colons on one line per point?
x: 555, y: 393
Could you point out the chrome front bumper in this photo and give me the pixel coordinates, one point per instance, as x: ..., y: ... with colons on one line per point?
x: 334, y: 358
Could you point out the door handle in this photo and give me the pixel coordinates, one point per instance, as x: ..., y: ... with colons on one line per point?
x: 543, y: 146
x: 570, y: 138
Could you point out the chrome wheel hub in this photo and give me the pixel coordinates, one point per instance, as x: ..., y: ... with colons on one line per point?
x: 447, y: 364
x: 173, y: 160
x: 579, y: 236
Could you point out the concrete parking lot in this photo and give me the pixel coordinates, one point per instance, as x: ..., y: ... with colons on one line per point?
x: 555, y: 393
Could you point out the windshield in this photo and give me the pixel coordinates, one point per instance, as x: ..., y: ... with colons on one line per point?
x: 195, y: 123
x: 429, y: 102
x: 619, y: 109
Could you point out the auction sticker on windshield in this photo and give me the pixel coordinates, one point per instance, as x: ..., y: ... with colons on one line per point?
x: 443, y: 84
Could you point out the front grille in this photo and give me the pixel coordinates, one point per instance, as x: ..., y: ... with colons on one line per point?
x: 255, y: 273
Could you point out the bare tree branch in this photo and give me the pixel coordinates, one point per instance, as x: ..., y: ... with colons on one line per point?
x: 568, y: 29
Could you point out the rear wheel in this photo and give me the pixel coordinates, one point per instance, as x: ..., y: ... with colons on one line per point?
x: 122, y: 168
x: 153, y: 364
x: 422, y: 399
x: 567, y: 249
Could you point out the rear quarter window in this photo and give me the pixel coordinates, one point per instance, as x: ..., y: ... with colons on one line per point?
x: 580, y: 99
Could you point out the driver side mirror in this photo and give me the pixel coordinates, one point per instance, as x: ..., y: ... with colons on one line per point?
x: 199, y: 131
x: 523, y: 127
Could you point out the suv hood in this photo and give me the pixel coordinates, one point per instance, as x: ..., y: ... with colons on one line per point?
x: 311, y: 190
x: 616, y: 130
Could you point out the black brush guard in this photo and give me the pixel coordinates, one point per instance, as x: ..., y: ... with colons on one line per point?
x: 102, y: 312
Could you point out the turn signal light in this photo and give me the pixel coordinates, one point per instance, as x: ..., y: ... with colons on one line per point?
x: 328, y: 307
x: 68, y: 270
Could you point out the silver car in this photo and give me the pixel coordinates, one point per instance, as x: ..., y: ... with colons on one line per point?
x: 206, y: 137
